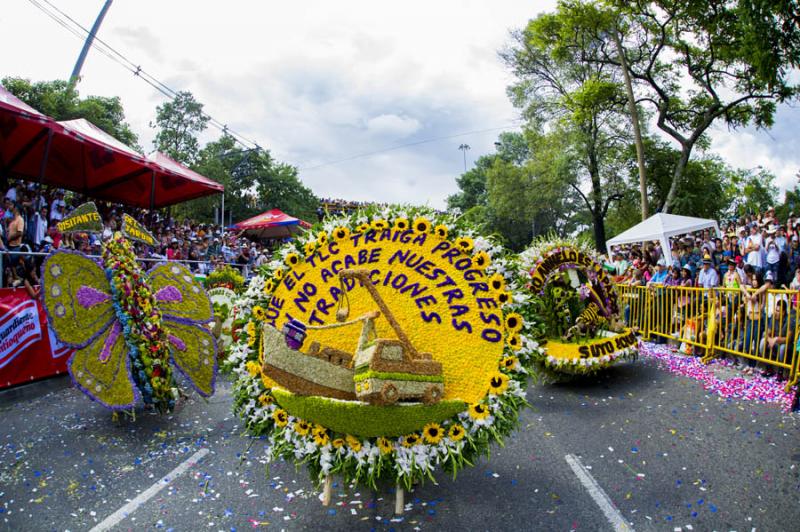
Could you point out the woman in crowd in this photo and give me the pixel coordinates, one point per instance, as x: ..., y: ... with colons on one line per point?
x: 753, y: 318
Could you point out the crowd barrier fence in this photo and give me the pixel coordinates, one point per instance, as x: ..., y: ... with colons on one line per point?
x: 758, y: 327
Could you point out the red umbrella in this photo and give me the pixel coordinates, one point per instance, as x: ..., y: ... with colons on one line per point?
x: 271, y: 224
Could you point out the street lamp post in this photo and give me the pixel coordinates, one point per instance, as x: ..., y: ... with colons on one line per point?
x: 464, y: 148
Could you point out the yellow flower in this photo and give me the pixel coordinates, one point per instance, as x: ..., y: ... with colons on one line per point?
x: 456, y: 432
x: 362, y: 228
x: 481, y: 260
x: 310, y: 248
x: 384, y: 445
x: 498, y: 383
x: 504, y: 297
x: 265, y: 399
x: 432, y: 433
x: 302, y: 427
x: 478, y: 411
x: 322, y: 238
x: 291, y: 259
x: 513, y: 322
x: 354, y: 443
x: 421, y: 225
x: 497, y: 283
x: 508, y: 363
x: 337, y: 443
x: 380, y: 224
x: 401, y: 224
x: 278, y: 274
x: 465, y: 244
x: 321, y: 437
x: 269, y: 286
x: 440, y: 231
x: 340, y: 233
x: 514, y: 342
x: 281, y: 417
x: 252, y: 368
x: 411, y: 440
x: 259, y: 313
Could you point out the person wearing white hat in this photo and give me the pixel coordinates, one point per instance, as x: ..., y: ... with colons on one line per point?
x: 753, y: 245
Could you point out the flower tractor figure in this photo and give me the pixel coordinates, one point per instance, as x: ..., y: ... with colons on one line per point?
x: 390, y: 370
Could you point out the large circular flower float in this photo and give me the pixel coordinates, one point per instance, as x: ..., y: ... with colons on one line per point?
x: 572, y: 300
x: 128, y: 327
x: 380, y: 347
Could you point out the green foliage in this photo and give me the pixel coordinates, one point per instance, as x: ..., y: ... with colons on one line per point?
x: 363, y: 419
x: 54, y: 99
x: 227, y: 276
x: 254, y: 182
x: 751, y: 191
x: 179, y: 121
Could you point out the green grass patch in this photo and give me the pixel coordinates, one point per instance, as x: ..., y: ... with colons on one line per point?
x: 396, y: 377
x: 365, y: 420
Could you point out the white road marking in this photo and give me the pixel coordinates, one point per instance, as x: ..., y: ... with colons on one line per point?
x: 114, y: 519
x: 616, y: 520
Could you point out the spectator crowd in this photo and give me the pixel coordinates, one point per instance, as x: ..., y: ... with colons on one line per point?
x: 752, y: 258
x: 28, y: 223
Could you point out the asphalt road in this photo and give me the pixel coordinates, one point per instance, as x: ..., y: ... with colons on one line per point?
x: 664, y: 453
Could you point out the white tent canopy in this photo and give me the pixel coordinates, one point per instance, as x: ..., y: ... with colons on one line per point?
x: 661, y: 227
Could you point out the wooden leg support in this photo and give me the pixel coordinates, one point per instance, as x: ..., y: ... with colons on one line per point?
x: 326, y: 491
x: 399, y: 501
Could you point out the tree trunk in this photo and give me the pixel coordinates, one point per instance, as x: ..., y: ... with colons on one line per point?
x: 599, y: 231
x: 637, y: 133
x: 597, y: 194
x: 677, y: 175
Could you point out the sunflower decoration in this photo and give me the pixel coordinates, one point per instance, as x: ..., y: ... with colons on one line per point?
x: 465, y: 244
x: 401, y: 224
x: 422, y: 225
x: 340, y: 233
x: 441, y: 231
x: 292, y: 259
x: 576, y: 309
x: 469, y: 398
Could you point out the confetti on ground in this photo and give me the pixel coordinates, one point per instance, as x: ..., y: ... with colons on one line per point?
x: 754, y: 388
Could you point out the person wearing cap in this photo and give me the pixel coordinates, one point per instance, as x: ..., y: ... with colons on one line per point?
x: 174, y: 251
x: 708, y: 277
x: 731, y: 277
x: 660, y: 276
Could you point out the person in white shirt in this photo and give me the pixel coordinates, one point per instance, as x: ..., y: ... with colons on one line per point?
x: 12, y: 193
x: 752, y: 249
x: 39, y: 221
x: 59, y: 201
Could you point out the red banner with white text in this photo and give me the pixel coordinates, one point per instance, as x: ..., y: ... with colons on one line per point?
x: 28, y: 348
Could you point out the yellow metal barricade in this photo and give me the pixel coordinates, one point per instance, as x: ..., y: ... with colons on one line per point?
x: 634, y: 307
x: 755, y: 327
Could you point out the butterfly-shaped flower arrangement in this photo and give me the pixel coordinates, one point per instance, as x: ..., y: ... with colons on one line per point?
x: 125, y: 324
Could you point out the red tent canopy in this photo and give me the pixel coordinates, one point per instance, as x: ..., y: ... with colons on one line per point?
x: 79, y: 156
x: 272, y: 224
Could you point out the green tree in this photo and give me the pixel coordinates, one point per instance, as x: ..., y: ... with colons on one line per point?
x: 179, y: 121
x: 578, y: 101
x: 254, y: 182
x: 697, y: 62
x: 55, y: 99
x: 751, y: 191
x: 472, y: 186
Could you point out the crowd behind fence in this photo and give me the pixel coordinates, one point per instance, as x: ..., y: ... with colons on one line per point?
x: 758, y: 329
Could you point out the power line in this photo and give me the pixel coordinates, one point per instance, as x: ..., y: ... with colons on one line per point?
x: 119, y: 58
x: 415, y: 143
x: 116, y: 56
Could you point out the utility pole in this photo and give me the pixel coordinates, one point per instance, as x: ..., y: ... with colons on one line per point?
x: 76, y: 72
x: 464, y: 148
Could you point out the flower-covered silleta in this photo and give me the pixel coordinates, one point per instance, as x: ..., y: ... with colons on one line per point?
x: 127, y: 325
x: 572, y: 300
x: 382, y: 346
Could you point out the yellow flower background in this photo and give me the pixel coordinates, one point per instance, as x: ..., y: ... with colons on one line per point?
x: 468, y: 360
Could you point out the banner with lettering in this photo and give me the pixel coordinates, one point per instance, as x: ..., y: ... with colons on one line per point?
x: 28, y: 350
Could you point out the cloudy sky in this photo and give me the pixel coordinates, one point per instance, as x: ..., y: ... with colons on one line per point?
x: 322, y: 83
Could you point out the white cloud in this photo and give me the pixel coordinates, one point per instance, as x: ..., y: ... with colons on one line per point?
x: 319, y: 81
x: 393, y: 125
